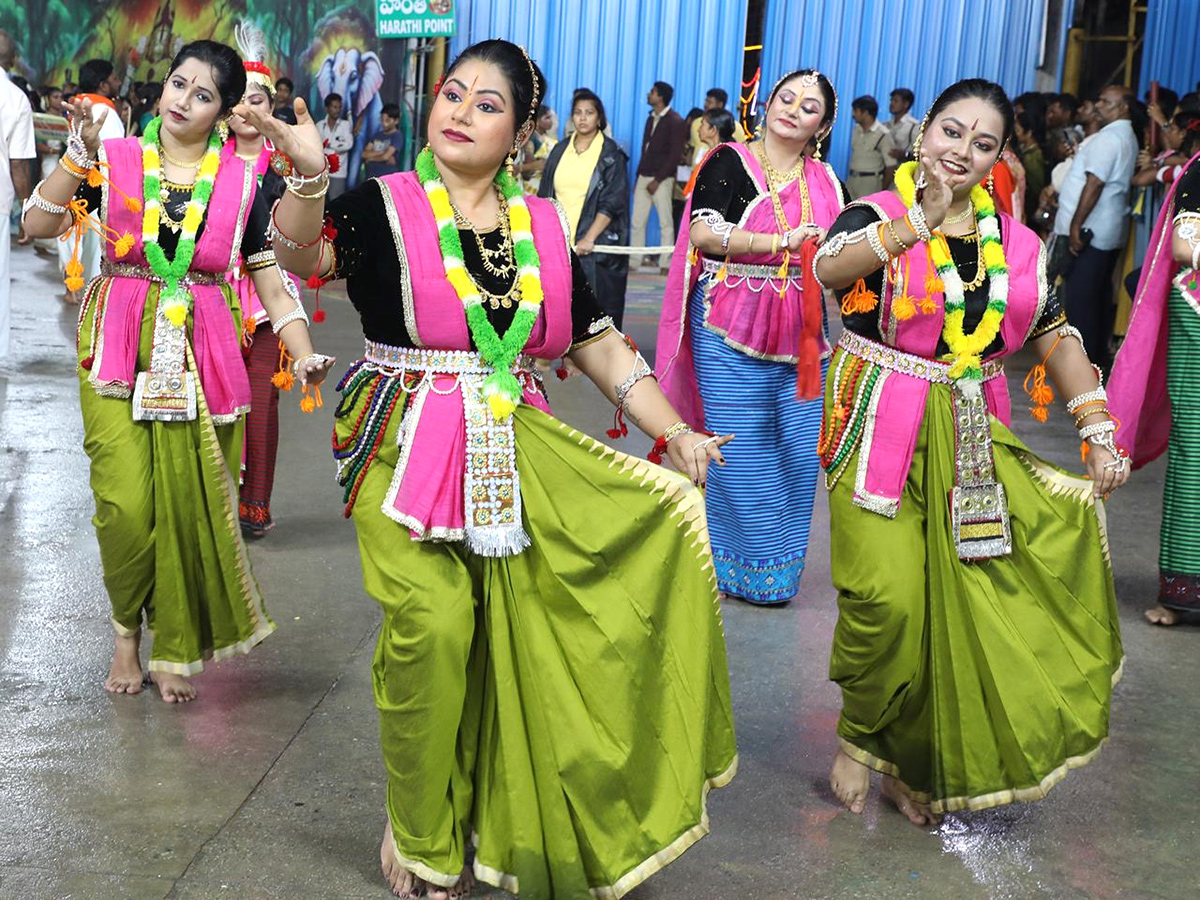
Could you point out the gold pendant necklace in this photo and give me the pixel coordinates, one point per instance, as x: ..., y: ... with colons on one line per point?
x: 499, y: 262
x: 967, y: 213
x: 777, y: 181
x: 177, y: 162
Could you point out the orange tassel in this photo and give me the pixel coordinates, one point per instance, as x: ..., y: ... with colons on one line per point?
x: 1040, y: 393
x: 284, y: 379
x: 123, y: 245
x: 722, y: 271
x: 133, y: 204
x: 311, y: 401
x: 95, y: 178
x: 928, y: 305
x: 904, y: 308
x: 934, y: 285
x: 860, y: 299
x: 1040, y: 413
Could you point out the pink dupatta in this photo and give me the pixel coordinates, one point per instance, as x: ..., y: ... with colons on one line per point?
x: 1137, y: 389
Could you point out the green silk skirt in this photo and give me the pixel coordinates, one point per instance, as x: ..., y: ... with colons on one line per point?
x: 566, y: 709
x: 1179, y: 541
x: 166, y: 518
x: 974, y: 684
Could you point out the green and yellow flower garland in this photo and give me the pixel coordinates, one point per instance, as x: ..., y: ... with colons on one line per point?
x: 501, y: 389
x: 966, y: 350
x: 174, y: 300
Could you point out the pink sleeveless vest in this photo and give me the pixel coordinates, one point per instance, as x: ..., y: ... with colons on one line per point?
x: 427, y: 492
x: 902, y: 401
x: 214, y: 337
x: 758, y: 323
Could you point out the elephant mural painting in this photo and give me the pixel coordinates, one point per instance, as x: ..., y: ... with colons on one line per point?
x: 357, y: 75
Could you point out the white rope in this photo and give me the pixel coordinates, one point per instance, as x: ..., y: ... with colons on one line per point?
x: 633, y: 251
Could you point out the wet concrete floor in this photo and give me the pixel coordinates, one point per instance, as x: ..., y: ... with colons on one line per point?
x: 271, y: 785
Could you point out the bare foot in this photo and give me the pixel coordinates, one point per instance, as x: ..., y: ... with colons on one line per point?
x: 851, y: 781
x: 125, y: 673
x: 174, y: 688
x: 402, y: 882
x: 466, y: 884
x: 1160, y: 615
x: 918, y: 813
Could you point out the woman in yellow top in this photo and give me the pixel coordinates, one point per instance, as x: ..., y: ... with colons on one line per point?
x: 587, y: 174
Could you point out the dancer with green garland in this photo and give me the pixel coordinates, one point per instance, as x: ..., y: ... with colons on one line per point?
x: 977, y: 664
x: 550, y: 676
x: 162, y: 383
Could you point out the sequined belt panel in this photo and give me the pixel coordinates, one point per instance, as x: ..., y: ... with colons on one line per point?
x: 398, y: 360
x: 129, y: 270
x: 895, y: 360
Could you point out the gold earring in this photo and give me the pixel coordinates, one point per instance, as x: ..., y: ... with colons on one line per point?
x: 817, y: 152
x: 991, y: 184
x: 223, y: 130
x: 508, y: 163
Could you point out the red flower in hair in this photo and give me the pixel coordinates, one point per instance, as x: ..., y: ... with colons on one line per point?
x: 335, y: 162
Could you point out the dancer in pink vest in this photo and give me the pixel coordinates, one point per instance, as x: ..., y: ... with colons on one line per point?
x: 162, y: 382
x: 550, y: 675
x: 977, y: 640
x: 741, y: 341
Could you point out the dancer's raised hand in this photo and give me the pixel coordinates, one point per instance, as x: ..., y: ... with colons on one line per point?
x: 302, y: 143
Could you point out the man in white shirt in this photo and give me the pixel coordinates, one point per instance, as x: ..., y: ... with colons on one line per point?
x: 902, y: 125
x: 1093, y: 217
x: 17, y: 150
x: 339, y: 138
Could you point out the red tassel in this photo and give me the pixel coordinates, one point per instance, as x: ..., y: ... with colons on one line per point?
x: 314, y: 281
x: 562, y: 372
x: 335, y: 162
x: 318, y: 316
x: 87, y: 363
x: 619, y: 429
x: 656, y: 452
x: 808, y: 365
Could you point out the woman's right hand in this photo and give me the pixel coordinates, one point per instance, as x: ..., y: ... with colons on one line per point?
x: 81, y: 110
x: 937, y: 195
x: 301, y: 143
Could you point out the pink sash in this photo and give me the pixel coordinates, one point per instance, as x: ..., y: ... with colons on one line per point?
x: 759, y: 323
x: 219, y: 365
x: 427, y: 490
x: 900, y: 405
x: 1137, y: 390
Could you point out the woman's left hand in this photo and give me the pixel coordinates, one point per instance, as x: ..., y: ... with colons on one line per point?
x: 690, y: 453
x: 1106, y: 478
x: 584, y: 247
x: 313, y: 368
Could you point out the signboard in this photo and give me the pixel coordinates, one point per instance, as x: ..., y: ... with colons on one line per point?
x: 414, y: 18
x: 50, y: 129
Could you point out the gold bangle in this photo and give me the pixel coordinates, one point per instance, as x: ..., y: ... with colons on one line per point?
x: 1079, y: 418
x: 891, y: 227
x: 774, y: 244
x: 675, y: 431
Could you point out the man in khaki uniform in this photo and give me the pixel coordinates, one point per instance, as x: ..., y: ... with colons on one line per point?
x: 871, y: 146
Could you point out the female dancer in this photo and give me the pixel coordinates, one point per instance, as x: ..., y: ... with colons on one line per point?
x: 1153, y: 385
x: 741, y: 329
x: 977, y: 659
x: 545, y: 684
x: 162, y: 325
x: 586, y: 173
x: 261, y: 346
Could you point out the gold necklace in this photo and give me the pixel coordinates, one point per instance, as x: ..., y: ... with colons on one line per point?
x: 967, y: 213
x: 980, y: 270
x: 176, y: 162
x: 498, y: 262
x: 777, y: 180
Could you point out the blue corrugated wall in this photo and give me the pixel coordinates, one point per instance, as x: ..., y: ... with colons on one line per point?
x: 618, y: 48
x: 1171, y: 51
x: 873, y: 46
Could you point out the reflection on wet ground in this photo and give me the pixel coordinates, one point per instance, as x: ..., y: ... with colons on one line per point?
x: 270, y: 786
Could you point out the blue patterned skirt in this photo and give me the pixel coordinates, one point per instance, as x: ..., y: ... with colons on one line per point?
x: 760, y: 502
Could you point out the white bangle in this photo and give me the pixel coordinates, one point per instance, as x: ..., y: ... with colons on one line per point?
x: 38, y: 201
x: 876, y: 243
x: 1075, y: 403
x: 288, y: 318
x: 916, y: 218
x: 1089, y: 432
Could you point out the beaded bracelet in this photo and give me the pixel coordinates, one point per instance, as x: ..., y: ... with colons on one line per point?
x: 39, y: 201
x: 274, y: 234
x: 875, y: 239
x: 1087, y: 432
x: 288, y: 318
x: 295, y: 181
x: 72, y: 168
x: 1091, y: 412
x: 1120, y: 459
x: 916, y: 221
x: 674, y: 431
x: 321, y: 359
x: 1075, y: 403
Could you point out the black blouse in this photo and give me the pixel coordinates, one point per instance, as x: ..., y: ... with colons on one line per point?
x: 723, y: 185
x: 254, y: 239
x: 366, y: 257
x: 1187, y: 195
x: 965, y: 254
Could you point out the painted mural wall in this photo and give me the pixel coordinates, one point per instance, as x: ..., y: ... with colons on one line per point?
x: 322, y: 46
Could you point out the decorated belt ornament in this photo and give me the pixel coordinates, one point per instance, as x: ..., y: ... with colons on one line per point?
x: 491, y: 483
x: 908, y: 363
x: 978, y: 505
x: 755, y: 276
